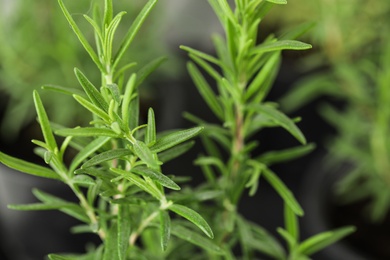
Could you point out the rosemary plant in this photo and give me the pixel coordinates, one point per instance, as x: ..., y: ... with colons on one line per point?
x: 352, y: 67
x: 35, y: 49
x: 244, y: 71
x: 116, y: 172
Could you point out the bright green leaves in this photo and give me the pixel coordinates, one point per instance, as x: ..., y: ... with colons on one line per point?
x: 206, y: 91
x: 194, y: 217
x: 148, y: 180
x: 170, y: 140
x: 105, y: 35
x: 129, y: 98
x: 109, y: 31
x: 150, y: 135
x: 124, y: 230
x: 304, y: 249
x: 258, y: 86
x: 94, y: 95
x: 45, y: 124
x: 196, y: 239
x: 115, y: 172
x: 27, y: 167
x: 280, y: 2
x: 280, y: 45
x: 280, y: 119
x: 106, y: 156
x: 51, y: 202
x: 81, y: 36
x: 156, y: 176
x: 145, y: 185
x: 322, y: 240
x: 92, y: 108
x: 243, y: 72
x: 165, y: 229
x: 283, y: 191
x: 87, y: 132
x: 129, y: 37
x: 145, y: 154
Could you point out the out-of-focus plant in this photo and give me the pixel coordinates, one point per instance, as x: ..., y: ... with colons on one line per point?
x: 116, y: 171
x: 35, y: 49
x: 352, y: 64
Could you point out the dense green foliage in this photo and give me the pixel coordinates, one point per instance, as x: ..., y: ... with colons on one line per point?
x: 352, y: 66
x: 116, y: 172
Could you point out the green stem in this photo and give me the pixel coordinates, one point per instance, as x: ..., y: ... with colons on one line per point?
x: 144, y: 224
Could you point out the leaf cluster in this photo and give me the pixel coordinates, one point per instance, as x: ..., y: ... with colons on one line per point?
x: 116, y: 170
x: 244, y: 71
x: 116, y: 173
x: 354, y: 71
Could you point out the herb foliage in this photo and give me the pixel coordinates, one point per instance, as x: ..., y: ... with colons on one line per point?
x: 116, y: 174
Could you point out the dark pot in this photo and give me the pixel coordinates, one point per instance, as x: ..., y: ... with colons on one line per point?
x: 323, y: 212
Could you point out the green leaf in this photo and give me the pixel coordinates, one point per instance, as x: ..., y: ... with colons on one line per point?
x: 124, y: 230
x: 192, y: 216
x: 279, y: 2
x: 115, y: 93
x: 92, y: 108
x: 150, y: 136
x: 109, y: 36
x: 27, y: 167
x: 108, y: 12
x: 111, y: 244
x: 91, y: 91
x: 201, y: 55
x: 245, y: 235
x: 63, y: 90
x: 97, y: 30
x: 283, y: 191
x: 44, y: 122
x: 205, y: 90
x: 129, y: 95
x: 106, y: 156
x: 273, y: 157
x: 156, y: 176
x: 207, y: 67
x: 83, y: 180
x: 87, y: 132
x: 175, y: 138
x: 62, y: 257
x: 281, y: 119
x: 145, y: 154
x: 175, y: 151
x: 265, y: 242
x: 73, y: 209
x: 148, y: 69
x: 280, y: 45
x: 87, y: 151
x: 291, y: 242
x: 134, y: 109
x: 80, y: 36
x: 291, y: 223
x: 133, y: 31
x: 42, y: 206
x: 257, y: 84
x: 322, y: 240
x: 212, y: 161
x: 196, y: 239
x: 139, y: 182
x: 165, y: 229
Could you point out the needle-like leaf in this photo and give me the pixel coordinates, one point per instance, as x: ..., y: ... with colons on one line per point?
x: 192, y: 216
